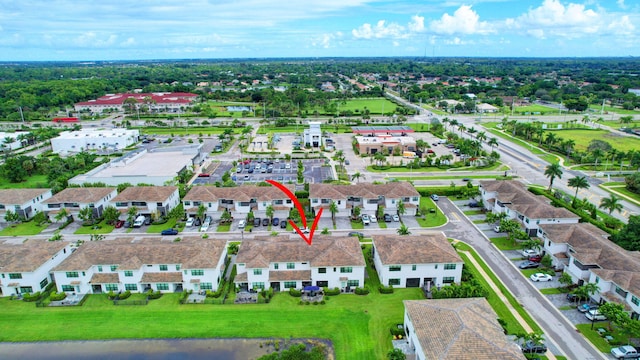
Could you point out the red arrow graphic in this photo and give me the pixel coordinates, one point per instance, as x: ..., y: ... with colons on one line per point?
x: 300, y: 211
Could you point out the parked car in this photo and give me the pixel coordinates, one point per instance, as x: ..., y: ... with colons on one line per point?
x: 466, y: 179
x: 573, y: 297
x: 473, y: 204
x: 536, y: 258
x: 275, y: 221
x: 496, y: 228
x: 434, y: 197
x: 373, y: 218
x: 356, y: 233
x: 197, y: 222
x: 528, y: 264
x: 119, y: 224
x: 595, y: 315
x: 283, y: 224
x: 395, y: 217
x: 365, y: 219
x: 239, y: 169
x: 541, y: 277
x: 387, y: 218
x: 257, y: 221
x: 531, y: 347
x: 625, y: 352
x: 265, y: 222
x: 190, y: 222
x: 583, y: 308
x: 304, y: 230
x: 169, y: 232
x: 529, y: 252
x: 126, y: 224
x: 242, y: 224
x: 147, y: 220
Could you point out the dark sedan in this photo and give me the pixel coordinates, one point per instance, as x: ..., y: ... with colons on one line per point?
x: 275, y: 221
x: 387, y: 218
x: 265, y: 222
x: 257, y: 221
x: 169, y: 232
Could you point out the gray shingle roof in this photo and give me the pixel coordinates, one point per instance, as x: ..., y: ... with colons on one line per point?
x: 416, y: 249
x: 27, y: 256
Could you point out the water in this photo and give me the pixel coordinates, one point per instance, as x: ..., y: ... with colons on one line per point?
x: 166, y: 349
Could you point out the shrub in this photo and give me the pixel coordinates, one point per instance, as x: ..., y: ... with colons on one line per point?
x: 315, y: 303
x: 300, y: 302
x: 124, y: 295
x: 331, y: 292
x: 395, y: 331
x: 56, y: 296
x: 154, y: 294
x: 322, y: 302
x: 111, y: 295
x: 362, y: 291
x: 386, y: 289
x: 295, y: 293
x: 31, y: 297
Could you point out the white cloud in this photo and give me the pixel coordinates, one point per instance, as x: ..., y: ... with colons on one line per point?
x: 621, y: 4
x: 554, y: 18
x: 416, y: 24
x: 91, y: 39
x: 464, y: 21
x: 381, y: 30
x: 326, y: 40
x: 623, y: 26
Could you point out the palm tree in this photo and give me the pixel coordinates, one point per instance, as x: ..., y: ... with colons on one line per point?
x: 578, y: 182
x: 333, y: 208
x: 401, y: 208
x: 269, y: 212
x: 611, y: 203
x: 482, y: 136
x: 551, y: 140
x: 403, y: 230
x: 553, y: 171
x: 356, y: 176
x: 568, y: 146
x: 493, y: 142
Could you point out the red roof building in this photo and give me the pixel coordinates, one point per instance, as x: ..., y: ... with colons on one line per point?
x: 157, y: 102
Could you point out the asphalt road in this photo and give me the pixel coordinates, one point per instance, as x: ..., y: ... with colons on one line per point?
x: 560, y: 334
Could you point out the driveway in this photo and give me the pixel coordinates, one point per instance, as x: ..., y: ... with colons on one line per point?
x: 561, y: 335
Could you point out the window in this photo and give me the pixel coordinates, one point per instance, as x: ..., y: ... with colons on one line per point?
x: 291, y: 266
x: 68, y: 288
x: 72, y: 274
x: 178, y: 267
x: 275, y: 266
x: 353, y: 283
x: 289, y: 284
x: 449, y: 266
x: 131, y: 287
x: 164, y: 267
x: 162, y: 286
x: 114, y: 267
x: 128, y: 273
x: 447, y: 279
x: 44, y: 283
x: 346, y: 269
x: 26, y: 289
x: 17, y: 276
x: 187, y: 203
x: 111, y: 287
x: 394, y: 281
x: 196, y: 272
x: 206, y: 286
x: 635, y: 301
x: 414, y: 267
x: 322, y: 270
x: 395, y: 268
x: 257, y: 271
x: 621, y: 292
x: 99, y: 268
x: 258, y: 285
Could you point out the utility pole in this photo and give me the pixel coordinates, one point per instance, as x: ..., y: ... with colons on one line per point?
x: 21, y: 114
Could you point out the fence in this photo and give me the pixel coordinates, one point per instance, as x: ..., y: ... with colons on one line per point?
x: 131, y: 302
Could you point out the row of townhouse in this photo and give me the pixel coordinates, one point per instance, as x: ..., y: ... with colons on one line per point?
x: 198, y: 264
x: 148, y: 200
x: 281, y: 263
x: 368, y: 197
x: 512, y: 198
x: 586, y: 253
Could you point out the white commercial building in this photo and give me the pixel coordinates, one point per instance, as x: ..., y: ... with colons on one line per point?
x: 78, y: 141
x: 9, y: 140
x: 313, y: 135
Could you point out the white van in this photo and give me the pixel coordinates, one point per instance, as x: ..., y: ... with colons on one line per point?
x: 139, y: 221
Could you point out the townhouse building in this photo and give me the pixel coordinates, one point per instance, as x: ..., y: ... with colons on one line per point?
x: 586, y: 253
x: 25, y: 266
x: 239, y: 200
x: 75, y: 199
x: 368, y: 197
x: 425, y: 261
x: 142, y: 265
x: 512, y: 198
x: 282, y: 263
x: 24, y: 202
x: 151, y: 201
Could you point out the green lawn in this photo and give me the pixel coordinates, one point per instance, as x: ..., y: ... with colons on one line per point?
x: 25, y: 228
x: 34, y: 181
x: 582, y: 137
x: 178, y: 131
x: 157, y: 228
x: 503, y: 243
x: 375, y: 105
x: 473, y: 212
x: 224, y: 227
x: 453, y: 177
x: 592, y: 335
x: 610, y: 109
x: 534, y: 150
x: 622, y: 190
x: 357, y: 225
x: 552, y: 291
x: 104, y: 228
x: 535, y: 109
x: 430, y: 219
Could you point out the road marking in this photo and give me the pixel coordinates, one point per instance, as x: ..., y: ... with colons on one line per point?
x: 457, y: 218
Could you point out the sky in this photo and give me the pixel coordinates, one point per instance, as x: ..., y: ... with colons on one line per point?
x: 88, y: 30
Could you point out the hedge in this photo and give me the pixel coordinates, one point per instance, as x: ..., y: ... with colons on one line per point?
x: 362, y: 291
x: 56, y: 296
x: 295, y: 293
x: 386, y: 289
x: 331, y: 292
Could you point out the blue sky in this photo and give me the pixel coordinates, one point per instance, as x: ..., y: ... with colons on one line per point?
x: 38, y: 30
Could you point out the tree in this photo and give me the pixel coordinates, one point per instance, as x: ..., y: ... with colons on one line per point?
x: 333, y: 208
x: 202, y: 210
x: 85, y: 214
x: 565, y: 279
x: 356, y: 176
x: 578, y: 182
x: 61, y: 215
x: 11, y: 216
x: 110, y: 214
x: 629, y: 236
x: 401, y: 209
x: 269, y: 212
x: 356, y: 212
x: 493, y: 142
x: 403, y: 230
x: 553, y: 171
x: 132, y: 212
x: 611, y: 203
x: 396, y: 354
x: 615, y: 313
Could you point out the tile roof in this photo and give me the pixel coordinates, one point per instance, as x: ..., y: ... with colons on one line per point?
x: 191, y: 253
x: 105, y: 278
x: 29, y: 255
x: 515, y: 196
x: 592, y: 247
x: 20, y: 196
x: 145, y: 193
x: 416, y: 249
x: 161, y: 277
x: 80, y: 195
x: 289, y: 275
x: 325, y: 251
x: 460, y: 329
x: 395, y: 189
x: 238, y: 193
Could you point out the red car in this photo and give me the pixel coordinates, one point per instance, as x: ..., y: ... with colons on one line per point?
x: 535, y: 258
x: 204, y: 175
x: 119, y: 224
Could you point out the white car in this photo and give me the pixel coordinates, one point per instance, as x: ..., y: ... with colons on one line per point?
x: 303, y: 230
x: 526, y: 253
x: 205, y: 224
x: 540, y: 277
x: 373, y: 218
x: 287, y: 166
x: 625, y: 352
x: 595, y: 315
x: 365, y: 219
x: 395, y: 218
x: 190, y: 222
x: 496, y: 228
x: 242, y: 224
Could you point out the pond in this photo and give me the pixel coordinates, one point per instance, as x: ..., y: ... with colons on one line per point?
x: 156, y: 349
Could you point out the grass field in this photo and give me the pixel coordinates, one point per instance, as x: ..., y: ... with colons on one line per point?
x: 375, y: 105
x: 583, y: 137
x: 611, y: 109
x: 503, y: 243
x: 535, y: 109
x: 35, y: 181
x: 104, y: 228
x: 25, y: 228
x: 431, y: 219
